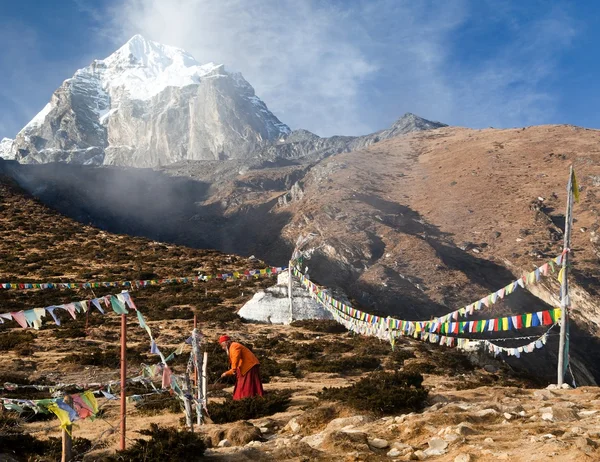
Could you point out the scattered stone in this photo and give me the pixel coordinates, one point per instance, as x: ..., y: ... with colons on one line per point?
x: 508, y: 416
x: 282, y: 442
x: 224, y: 443
x: 465, y: 429
x: 399, y: 419
x: 378, y: 443
x: 394, y: 452
x: 241, y: 433
x: 434, y: 399
x: 437, y: 444
x: 463, y: 458
x: 401, y: 446
x: 486, y: 413
x: 488, y: 441
x: 341, y: 422
x: 585, y: 444
x: 264, y: 430
x: 587, y: 413
x: 293, y: 425
x: 576, y: 430
x: 548, y: 436
x: 253, y: 444
x: 451, y: 438
x: 565, y: 386
x: 548, y: 417
x: 564, y: 414
x: 543, y: 395
x: 490, y: 368
x: 421, y: 455
x: 316, y: 440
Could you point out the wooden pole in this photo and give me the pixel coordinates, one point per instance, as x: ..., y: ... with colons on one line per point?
x: 67, y: 442
x: 196, y: 371
x: 564, y: 287
x: 189, y: 421
x: 198, y: 366
x: 205, y: 377
x: 290, y: 292
x: 123, y: 379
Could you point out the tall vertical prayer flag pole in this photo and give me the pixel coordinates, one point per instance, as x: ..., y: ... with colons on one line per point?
x: 563, y: 360
x: 290, y: 291
x: 123, y: 378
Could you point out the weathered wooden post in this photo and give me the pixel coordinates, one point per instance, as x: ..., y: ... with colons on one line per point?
x: 67, y: 442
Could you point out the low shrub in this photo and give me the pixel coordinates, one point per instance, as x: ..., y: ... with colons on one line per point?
x: 344, y: 365
x: 420, y: 367
x: 164, y: 442
x: 382, y: 393
x: 326, y: 326
x: 249, y: 408
x: 156, y: 404
x: 219, y: 314
x: 69, y: 332
x: 11, y: 340
x: 111, y: 357
x: 397, y: 357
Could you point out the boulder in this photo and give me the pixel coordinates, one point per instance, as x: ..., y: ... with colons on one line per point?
x: 241, y: 433
x: 224, y: 443
x: 293, y: 425
x: 378, y: 443
x: 341, y: 422
x: 463, y: 458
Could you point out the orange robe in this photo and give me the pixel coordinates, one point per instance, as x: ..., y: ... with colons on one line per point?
x: 240, y: 357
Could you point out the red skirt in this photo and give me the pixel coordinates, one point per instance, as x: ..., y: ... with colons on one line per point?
x: 249, y: 385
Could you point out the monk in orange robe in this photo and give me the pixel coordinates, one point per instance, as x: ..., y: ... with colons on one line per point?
x: 245, y: 367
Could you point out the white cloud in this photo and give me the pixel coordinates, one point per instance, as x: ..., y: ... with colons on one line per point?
x: 333, y: 67
x: 308, y: 60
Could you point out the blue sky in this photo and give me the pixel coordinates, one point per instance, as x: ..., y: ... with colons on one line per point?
x: 333, y: 67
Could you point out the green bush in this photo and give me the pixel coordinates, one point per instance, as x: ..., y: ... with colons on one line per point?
x: 165, y: 443
x: 382, y: 393
x: 249, y: 408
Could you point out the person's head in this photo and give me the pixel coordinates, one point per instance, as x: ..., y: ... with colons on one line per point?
x: 224, y: 341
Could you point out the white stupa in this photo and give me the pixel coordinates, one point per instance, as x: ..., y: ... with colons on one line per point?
x: 273, y: 306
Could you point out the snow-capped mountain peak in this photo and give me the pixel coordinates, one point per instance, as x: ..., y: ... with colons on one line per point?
x: 144, y: 68
x: 148, y: 53
x: 148, y: 104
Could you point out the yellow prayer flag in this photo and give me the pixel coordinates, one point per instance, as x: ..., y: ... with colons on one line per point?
x: 575, y: 187
x: 62, y: 415
x: 504, y: 323
x: 528, y: 320
x: 561, y: 275
x: 557, y: 314
x: 92, y: 400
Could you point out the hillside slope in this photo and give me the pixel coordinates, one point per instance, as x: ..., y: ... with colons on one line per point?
x: 417, y: 226
x: 483, y: 412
